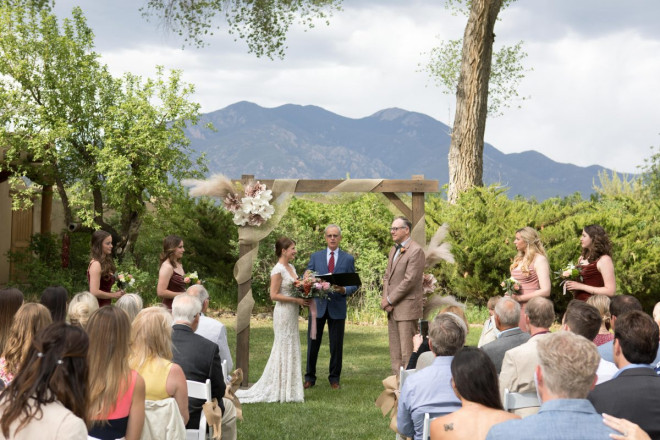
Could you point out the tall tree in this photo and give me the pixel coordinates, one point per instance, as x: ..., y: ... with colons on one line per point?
x: 109, y: 144
x: 263, y: 24
x: 467, y: 141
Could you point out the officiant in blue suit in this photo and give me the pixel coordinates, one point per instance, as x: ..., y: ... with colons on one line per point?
x: 331, y: 310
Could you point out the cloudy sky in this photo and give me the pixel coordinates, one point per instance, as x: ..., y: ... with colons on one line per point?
x: 594, y: 89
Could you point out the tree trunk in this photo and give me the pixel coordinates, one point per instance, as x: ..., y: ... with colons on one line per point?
x: 467, y: 140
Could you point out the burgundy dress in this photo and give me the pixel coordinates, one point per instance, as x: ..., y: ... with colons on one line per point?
x: 591, y: 276
x: 105, y: 285
x: 529, y: 282
x: 176, y: 284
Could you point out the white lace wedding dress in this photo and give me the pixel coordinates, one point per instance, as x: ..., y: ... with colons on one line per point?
x: 281, y: 380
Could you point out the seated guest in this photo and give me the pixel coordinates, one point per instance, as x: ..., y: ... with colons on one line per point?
x: 656, y: 313
x: 421, y: 345
x: 200, y: 360
x: 210, y: 328
x: 520, y: 362
x: 116, y: 393
x: 565, y: 374
x: 46, y: 399
x: 619, y: 305
x: 29, y: 321
x: 489, y: 332
x: 81, y: 307
x: 507, y: 318
x: 429, y: 390
x: 628, y: 429
x: 151, y: 356
x: 10, y: 301
x: 583, y: 319
x: 131, y: 303
x: 602, y: 304
x: 55, y: 298
x: 634, y: 392
x: 474, y: 381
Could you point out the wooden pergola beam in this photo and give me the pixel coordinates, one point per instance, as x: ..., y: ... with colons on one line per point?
x: 386, y: 186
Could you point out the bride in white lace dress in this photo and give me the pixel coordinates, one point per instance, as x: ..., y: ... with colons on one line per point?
x: 281, y: 380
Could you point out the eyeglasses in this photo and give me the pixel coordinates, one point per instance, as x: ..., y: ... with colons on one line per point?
x: 396, y: 228
x: 332, y: 236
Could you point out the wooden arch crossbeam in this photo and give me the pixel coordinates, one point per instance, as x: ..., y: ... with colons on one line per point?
x: 417, y: 186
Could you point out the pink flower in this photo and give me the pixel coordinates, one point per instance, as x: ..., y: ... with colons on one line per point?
x: 516, y: 286
x: 566, y: 273
x: 232, y: 202
x: 503, y: 284
x: 186, y: 280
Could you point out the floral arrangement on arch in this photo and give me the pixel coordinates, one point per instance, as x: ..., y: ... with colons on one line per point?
x: 251, y: 208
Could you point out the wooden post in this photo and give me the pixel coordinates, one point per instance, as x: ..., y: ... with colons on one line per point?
x: 243, y: 338
x: 418, y: 216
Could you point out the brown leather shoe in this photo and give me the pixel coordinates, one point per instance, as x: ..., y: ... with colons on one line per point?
x: 308, y: 384
x: 335, y: 386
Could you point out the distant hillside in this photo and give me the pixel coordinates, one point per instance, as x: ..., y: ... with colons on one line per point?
x: 309, y: 142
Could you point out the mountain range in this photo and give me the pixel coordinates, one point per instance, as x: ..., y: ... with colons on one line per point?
x: 308, y: 142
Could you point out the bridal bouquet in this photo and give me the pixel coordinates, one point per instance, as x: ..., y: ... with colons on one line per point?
x: 310, y: 287
x: 569, y: 273
x: 192, y: 277
x: 124, y: 280
x: 511, y: 286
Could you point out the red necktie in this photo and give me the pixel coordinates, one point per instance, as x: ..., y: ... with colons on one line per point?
x: 331, y: 262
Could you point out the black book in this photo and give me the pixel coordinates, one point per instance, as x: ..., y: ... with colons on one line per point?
x: 342, y: 279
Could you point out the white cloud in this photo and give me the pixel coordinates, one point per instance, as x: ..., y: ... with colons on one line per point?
x: 594, y: 86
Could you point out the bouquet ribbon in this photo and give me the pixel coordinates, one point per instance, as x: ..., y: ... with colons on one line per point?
x: 313, y: 313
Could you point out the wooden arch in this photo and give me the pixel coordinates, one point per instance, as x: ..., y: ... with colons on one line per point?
x: 417, y: 186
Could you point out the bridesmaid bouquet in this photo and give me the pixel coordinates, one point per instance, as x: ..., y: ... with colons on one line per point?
x: 310, y: 287
x: 192, y: 277
x: 569, y: 273
x: 511, y: 286
x: 124, y: 280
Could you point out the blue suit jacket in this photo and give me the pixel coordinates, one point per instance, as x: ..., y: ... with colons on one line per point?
x: 336, y: 302
x: 559, y: 419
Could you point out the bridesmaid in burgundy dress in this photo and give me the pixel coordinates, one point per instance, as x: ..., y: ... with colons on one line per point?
x: 596, y: 265
x: 171, y: 274
x: 530, y: 268
x: 101, y: 269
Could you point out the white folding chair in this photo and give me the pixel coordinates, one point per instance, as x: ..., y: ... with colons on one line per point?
x: 514, y: 401
x: 225, y: 373
x: 403, y: 374
x: 199, y: 390
x: 426, y: 432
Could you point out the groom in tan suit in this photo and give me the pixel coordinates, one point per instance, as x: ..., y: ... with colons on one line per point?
x: 402, y: 292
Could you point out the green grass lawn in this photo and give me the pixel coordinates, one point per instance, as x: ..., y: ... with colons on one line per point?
x: 348, y: 413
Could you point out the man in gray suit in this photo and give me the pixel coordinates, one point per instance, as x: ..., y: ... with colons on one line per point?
x: 507, y: 316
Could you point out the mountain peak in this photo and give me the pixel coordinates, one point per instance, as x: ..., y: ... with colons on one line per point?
x: 390, y: 114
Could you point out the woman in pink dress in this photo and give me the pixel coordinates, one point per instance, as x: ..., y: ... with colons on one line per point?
x: 596, y: 265
x: 171, y: 274
x: 530, y: 268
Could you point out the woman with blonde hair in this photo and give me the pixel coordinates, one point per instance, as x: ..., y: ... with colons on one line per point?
x: 131, y: 303
x: 530, y: 268
x: 101, y: 269
x: 81, y: 307
x: 171, y: 274
x: 602, y: 304
x: 116, y: 393
x: 29, y: 321
x: 151, y: 356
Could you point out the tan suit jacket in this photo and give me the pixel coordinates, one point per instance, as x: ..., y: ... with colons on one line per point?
x: 518, y: 369
x: 402, y: 282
